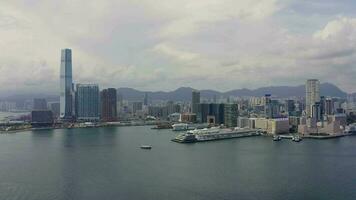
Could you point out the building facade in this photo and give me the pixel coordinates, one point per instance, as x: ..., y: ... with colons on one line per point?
x: 41, y: 118
x: 195, y: 101
x: 55, y: 108
x: 212, y: 113
x: 108, y: 99
x: 312, y: 88
x: 87, y: 102
x: 66, y: 85
x: 230, y: 115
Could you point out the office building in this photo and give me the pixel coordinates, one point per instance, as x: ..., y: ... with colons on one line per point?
x: 316, y: 111
x: 351, y: 101
x: 158, y: 112
x: 172, y: 107
x: 290, y: 107
x: 272, y: 107
x: 55, y: 108
x: 230, y: 115
x: 108, y: 100
x: 87, y: 100
x: 312, y: 95
x: 137, y: 106
x: 211, y: 113
x: 195, y: 101
x: 66, y: 85
x: 145, y: 99
x: 41, y: 118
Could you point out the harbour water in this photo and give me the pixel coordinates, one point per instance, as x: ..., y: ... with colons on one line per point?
x: 108, y: 163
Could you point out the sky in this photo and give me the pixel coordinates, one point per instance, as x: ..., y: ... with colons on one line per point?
x: 166, y: 44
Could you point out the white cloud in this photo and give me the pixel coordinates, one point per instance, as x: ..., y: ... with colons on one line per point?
x: 343, y: 27
x: 188, y: 16
x: 163, y: 48
x: 162, y: 45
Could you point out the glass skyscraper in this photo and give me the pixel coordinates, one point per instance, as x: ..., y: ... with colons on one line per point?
x: 66, y: 85
x: 195, y: 101
x: 87, y: 100
x: 108, y: 99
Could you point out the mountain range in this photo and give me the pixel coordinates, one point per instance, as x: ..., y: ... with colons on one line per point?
x: 184, y: 93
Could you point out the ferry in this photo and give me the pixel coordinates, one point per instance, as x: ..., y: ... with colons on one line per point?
x: 180, y: 127
x: 186, y: 127
x: 162, y: 126
x: 146, y: 147
x: 214, y: 133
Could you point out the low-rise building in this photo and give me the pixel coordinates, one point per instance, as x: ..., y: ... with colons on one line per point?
x: 189, y: 117
x: 41, y: 118
x: 272, y: 126
x: 332, y: 125
x: 243, y: 122
x: 174, y: 117
x: 278, y: 126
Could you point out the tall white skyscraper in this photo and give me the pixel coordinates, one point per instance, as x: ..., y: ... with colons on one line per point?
x: 66, y: 85
x: 312, y: 97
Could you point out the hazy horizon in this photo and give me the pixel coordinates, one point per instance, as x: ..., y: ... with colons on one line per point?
x: 162, y: 45
x: 55, y: 93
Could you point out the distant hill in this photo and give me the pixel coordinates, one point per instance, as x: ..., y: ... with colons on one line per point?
x: 184, y: 93
x: 326, y: 89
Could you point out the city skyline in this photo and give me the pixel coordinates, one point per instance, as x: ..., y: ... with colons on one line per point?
x: 178, y: 99
x: 208, y: 44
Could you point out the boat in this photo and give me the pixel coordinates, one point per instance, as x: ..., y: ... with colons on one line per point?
x: 296, y: 139
x: 162, y: 126
x: 187, y: 127
x: 146, y: 147
x: 180, y: 127
x: 350, y: 129
x: 277, y: 138
x: 214, y: 133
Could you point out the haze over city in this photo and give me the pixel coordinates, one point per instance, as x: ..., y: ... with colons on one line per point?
x: 162, y: 45
x: 177, y: 99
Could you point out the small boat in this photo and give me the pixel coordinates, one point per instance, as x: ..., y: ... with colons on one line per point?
x: 276, y: 138
x: 297, y: 139
x: 146, y: 147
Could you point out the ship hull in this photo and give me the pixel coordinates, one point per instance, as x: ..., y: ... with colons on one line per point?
x: 216, y: 136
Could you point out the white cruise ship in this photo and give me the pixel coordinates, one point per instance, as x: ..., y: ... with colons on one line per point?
x: 186, y: 127
x: 214, y: 133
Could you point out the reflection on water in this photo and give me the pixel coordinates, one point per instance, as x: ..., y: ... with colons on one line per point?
x: 107, y: 163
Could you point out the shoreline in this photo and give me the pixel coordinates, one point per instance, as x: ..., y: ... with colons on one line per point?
x: 77, y: 127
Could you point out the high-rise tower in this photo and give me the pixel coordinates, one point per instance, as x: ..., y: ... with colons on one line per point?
x: 312, y: 95
x: 88, y: 99
x: 66, y: 85
x: 108, y: 100
x: 195, y: 101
